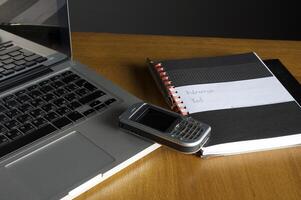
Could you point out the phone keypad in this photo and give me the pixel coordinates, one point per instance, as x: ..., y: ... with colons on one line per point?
x: 188, y: 130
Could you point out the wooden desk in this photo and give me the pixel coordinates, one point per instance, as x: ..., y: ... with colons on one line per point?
x: 168, y: 175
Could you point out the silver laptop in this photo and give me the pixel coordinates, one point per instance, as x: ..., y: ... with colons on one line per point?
x: 59, y: 132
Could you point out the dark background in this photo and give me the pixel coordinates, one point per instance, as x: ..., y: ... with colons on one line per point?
x: 231, y: 18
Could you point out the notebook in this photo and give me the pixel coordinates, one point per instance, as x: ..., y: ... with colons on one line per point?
x: 248, y: 107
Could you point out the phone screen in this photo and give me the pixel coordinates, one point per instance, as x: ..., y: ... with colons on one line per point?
x: 156, y: 119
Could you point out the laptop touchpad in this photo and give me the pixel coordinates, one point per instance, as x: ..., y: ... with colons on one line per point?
x: 60, y: 165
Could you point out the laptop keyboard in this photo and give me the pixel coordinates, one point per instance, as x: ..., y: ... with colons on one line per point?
x: 14, y: 59
x: 47, y: 106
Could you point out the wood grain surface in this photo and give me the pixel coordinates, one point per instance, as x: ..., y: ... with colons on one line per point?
x: 168, y: 175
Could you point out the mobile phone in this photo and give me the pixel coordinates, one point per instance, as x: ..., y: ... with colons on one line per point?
x: 168, y: 128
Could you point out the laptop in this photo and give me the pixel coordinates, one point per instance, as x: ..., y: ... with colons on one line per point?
x: 59, y: 132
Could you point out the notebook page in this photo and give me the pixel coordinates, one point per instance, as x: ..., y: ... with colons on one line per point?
x: 233, y: 94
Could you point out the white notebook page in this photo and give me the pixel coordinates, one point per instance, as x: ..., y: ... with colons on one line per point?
x: 234, y: 94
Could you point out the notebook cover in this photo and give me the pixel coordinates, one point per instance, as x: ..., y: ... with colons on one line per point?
x: 249, y: 123
x: 285, y: 77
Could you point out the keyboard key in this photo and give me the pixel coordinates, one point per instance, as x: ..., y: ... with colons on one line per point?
x: 100, y: 107
x: 32, y: 57
x: 8, y: 97
x: 7, y: 72
x: 63, y: 110
x: 80, y: 82
x: 56, y: 77
x: 8, y: 61
x: 73, y: 105
x: 23, y: 98
x: 19, y: 68
x: 45, y: 82
x: 20, y: 62
x: 26, y: 128
x: 60, y: 102
x: 36, y: 102
x: 62, y: 122
x: 48, y: 97
x: 2, y: 108
x: 82, y: 91
x: 9, y: 66
x: 110, y: 101
x: 12, y: 113
x: 70, y: 78
x: 30, y: 64
x: 15, y: 53
x: 20, y: 92
x: 90, y: 87
x: 41, y: 59
x: 13, y: 134
x: 71, y: 87
x: 70, y: 97
x: 24, y: 118
x: 3, y: 140
x: 57, y: 84
x: 67, y: 73
x: 95, y: 103
x: 9, y: 44
x: 51, y: 116
x: 46, y: 89
x: 9, y: 50
x: 25, y: 107
x: 36, y: 113
x: 48, y: 107
x: 35, y: 93
x: 33, y: 87
x: 75, y: 116
x: 89, y: 112
x: 12, y: 103
x: 19, y: 57
x: 2, y: 129
x: 11, y: 124
x: 26, y: 52
x: 91, y: 97
x: 4, y: 57
x: 3, y: 118
x: 60, y: 92
x: 39, y: 122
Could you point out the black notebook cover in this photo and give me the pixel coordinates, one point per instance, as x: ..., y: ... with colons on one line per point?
x: 285, y: 77
x: 245, y: 123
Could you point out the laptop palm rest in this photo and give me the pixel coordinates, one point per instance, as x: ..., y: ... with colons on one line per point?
x: 72, y: 158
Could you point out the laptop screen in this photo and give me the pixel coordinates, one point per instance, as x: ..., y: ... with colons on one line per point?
x: 41, y: 21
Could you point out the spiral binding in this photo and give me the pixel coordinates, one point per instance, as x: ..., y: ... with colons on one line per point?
x: 177, y: 103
